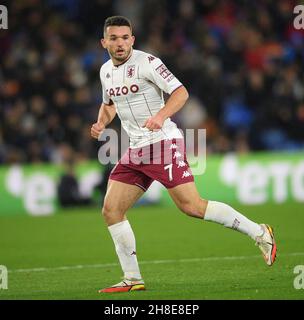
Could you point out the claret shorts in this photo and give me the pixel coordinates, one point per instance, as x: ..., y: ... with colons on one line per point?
x: 164, y: 161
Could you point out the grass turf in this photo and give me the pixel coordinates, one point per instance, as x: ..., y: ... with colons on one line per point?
x: 180, y: 257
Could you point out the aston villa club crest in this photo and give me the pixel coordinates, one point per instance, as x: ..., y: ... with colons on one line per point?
x: 131, y: 71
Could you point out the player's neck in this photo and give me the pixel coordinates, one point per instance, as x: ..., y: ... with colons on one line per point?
x: 117, y: 63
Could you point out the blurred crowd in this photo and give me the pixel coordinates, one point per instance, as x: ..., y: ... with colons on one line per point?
x: 242, y: 62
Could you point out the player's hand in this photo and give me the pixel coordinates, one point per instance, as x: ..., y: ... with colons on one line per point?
x: 96, y: 130
x: 154, y: 123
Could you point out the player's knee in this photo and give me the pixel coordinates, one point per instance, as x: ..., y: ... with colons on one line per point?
x: 193, y: 208
x: 106, y: 210
x: 111, y: 213
x: 187, y: 208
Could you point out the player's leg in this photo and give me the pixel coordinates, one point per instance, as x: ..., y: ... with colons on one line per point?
x: 126, y: 185
x: 188, y: 200
x: 119, y: 198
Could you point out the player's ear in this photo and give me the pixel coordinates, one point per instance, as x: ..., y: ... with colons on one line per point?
x: 133, y: 40
x: 103, y: 43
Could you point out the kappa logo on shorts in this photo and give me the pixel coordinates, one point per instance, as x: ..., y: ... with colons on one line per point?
x: 186, y: 174
x: 181, y: 164
x: 177, y: 154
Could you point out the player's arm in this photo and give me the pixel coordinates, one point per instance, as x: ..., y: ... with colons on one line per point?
x: 175, y: 102
x: 106, y: 114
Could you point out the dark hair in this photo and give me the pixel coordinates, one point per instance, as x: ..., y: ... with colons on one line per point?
x: 117, y: 21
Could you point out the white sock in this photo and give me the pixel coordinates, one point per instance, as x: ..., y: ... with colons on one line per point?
x: 222, y: 213
x: 124, y: 241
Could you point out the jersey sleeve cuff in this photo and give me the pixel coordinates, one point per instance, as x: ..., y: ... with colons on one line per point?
x: 177, y: 87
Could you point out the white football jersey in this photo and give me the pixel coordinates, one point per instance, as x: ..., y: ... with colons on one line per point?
x: 136, y: 89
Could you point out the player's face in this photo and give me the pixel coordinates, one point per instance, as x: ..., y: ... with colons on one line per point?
x: 118, y: 40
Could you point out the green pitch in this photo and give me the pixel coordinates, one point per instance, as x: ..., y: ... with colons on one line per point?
x: 71, y: 255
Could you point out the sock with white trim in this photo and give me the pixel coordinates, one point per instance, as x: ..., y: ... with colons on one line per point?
x: 224, y: 214
x: 124, y: 241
